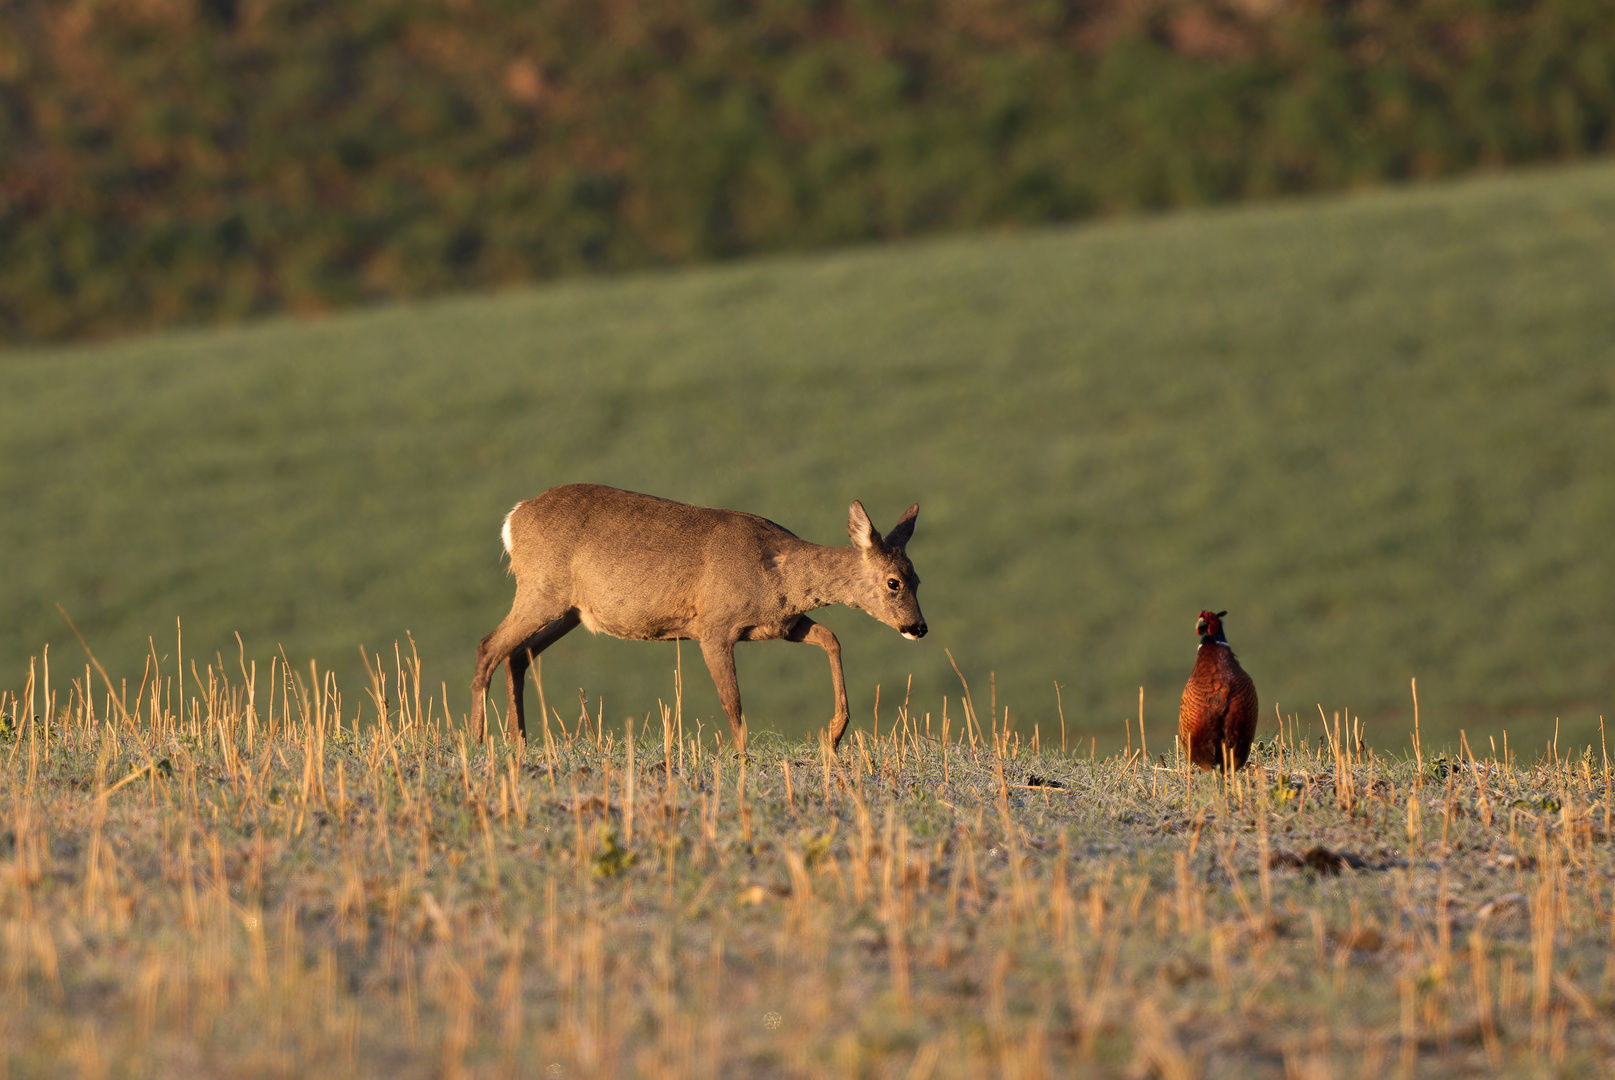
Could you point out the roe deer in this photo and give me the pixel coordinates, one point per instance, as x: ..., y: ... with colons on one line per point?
x: 648, y: 569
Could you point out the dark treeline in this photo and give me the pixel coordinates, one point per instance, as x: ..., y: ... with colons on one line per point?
x: 169, y: 161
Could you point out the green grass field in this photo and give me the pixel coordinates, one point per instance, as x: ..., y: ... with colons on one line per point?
x: 1379, y: 430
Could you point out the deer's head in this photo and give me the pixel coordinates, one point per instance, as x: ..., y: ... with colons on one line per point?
x: 889, y: 578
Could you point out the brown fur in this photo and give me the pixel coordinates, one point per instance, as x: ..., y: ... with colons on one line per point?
x: 648, y: 569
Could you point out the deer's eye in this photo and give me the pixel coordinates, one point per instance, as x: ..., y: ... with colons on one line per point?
x: 893, y: 584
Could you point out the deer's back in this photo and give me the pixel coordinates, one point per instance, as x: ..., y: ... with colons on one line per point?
x: 635, y: 565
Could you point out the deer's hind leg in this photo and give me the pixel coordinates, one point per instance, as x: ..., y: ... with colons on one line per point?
x: 521, y: 634
x: 521, y: 657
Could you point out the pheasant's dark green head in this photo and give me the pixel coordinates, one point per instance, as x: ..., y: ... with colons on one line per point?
x: 1210, y: 628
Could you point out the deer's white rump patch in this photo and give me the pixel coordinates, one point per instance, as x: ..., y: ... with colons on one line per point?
x: 504, y: 531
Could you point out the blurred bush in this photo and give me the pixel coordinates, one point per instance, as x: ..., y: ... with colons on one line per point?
x: 167, y: 161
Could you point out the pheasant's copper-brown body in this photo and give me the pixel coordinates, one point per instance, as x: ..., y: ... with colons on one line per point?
x: 1218, y: 714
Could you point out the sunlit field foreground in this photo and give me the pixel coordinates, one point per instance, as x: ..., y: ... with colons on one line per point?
x: 229, y: 874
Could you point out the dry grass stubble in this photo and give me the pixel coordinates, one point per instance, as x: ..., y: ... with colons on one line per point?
x: 226, y: 875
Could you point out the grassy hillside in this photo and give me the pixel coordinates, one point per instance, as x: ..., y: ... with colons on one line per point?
x: 1378, y: 429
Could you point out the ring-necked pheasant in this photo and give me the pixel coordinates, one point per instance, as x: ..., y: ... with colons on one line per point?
x: 1218, y: 714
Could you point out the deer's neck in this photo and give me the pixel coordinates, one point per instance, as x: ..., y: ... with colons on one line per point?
x: 816, y: 576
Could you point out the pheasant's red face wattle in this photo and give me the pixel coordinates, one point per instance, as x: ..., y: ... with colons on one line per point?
x: 1210, y: 628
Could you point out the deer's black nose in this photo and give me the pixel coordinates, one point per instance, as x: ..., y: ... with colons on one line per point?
x: 915, y: 631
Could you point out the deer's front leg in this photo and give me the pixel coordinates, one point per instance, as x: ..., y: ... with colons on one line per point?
x: 720, y: 658
x: 812, y: 633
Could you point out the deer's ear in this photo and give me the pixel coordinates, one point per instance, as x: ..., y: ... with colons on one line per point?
x: 901, y: 532
x: 860, y: 528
